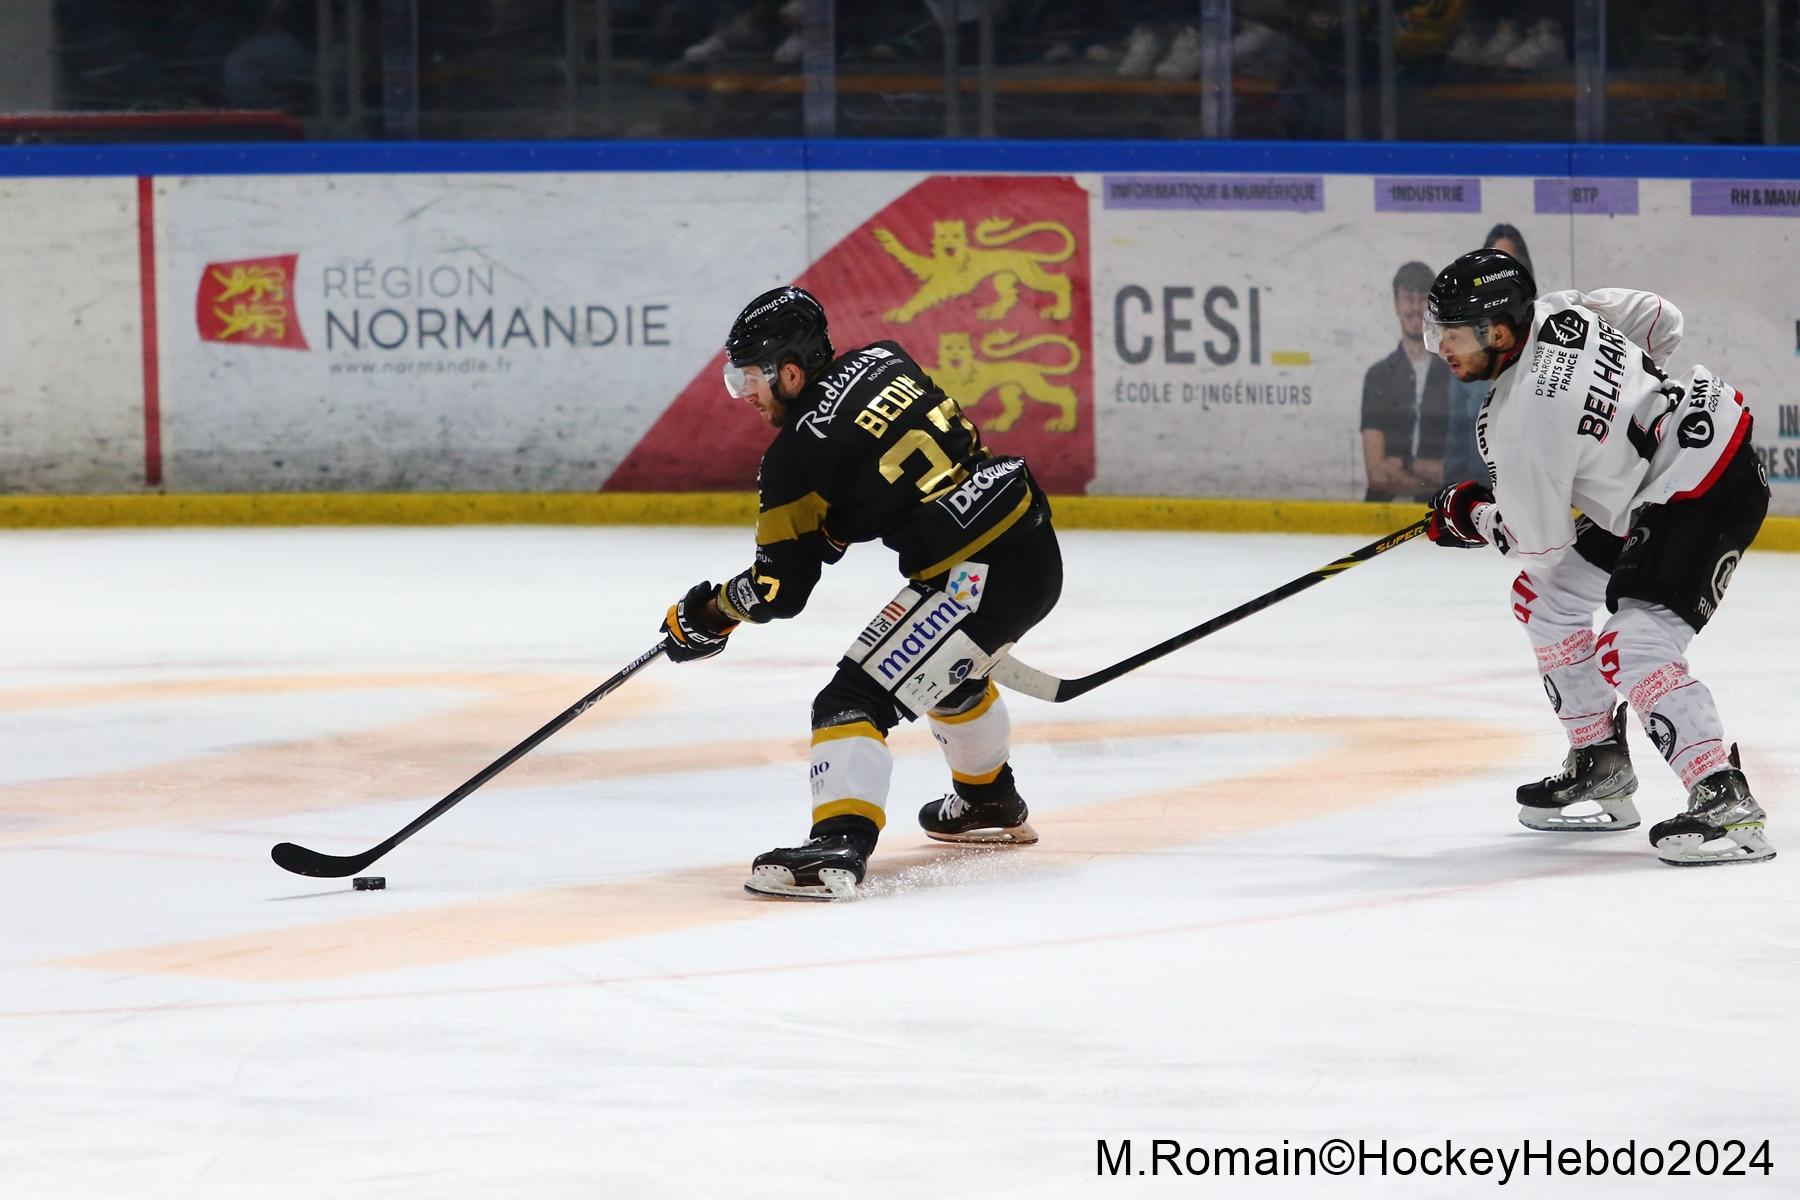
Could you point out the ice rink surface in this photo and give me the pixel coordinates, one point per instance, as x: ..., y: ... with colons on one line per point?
x: 1281, y: 896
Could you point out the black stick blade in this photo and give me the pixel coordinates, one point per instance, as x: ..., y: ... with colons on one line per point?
x: 302, y: 861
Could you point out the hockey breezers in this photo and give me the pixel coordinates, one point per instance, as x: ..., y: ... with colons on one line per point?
x: 302, y: 861
x: 1012, y: 673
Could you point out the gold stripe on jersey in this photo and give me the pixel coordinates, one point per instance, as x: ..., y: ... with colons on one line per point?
x: 786, y: 522
x: 850, y: 808
x: 976, y: 546
x: 958, y: 477
x: 832, y: 733
x: 981, y: 706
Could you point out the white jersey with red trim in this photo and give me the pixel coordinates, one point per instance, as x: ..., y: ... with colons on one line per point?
x: 1585, y: 418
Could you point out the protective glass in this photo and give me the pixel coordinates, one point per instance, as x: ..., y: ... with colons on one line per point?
x: 741, y: 381
x: 1460, y: 337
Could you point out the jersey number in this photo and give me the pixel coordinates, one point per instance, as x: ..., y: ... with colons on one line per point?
x: 940, y: 472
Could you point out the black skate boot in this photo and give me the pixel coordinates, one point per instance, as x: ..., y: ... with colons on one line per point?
x: 1723, y: 824
x: 827, y: 867
x: 985, y: 813
x: 1600, y: 774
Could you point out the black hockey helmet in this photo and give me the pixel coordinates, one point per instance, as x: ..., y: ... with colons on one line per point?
x: 1481, y: 286
x: 778, y: 327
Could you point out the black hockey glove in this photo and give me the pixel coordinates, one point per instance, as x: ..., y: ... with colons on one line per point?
x: 1453, y: 512
x: 690, y: 632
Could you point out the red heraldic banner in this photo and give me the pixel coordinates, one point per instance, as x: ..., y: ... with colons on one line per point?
x: 250, y: 302
x: 983, y: 279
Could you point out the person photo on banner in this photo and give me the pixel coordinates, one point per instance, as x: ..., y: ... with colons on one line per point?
x: 1462, y: 457
x: 1405, y: 402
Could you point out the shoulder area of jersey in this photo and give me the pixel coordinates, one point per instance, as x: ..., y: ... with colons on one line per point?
x: 851, y: 373
x: 1558, y: 320
x: 874, y: 361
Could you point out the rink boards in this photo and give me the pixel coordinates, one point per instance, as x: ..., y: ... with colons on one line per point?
x: 1139, y: 320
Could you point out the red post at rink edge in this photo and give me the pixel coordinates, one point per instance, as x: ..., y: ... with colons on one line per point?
x: 147, y: 297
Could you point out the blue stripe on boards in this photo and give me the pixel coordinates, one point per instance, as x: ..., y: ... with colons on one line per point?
x: 940, y: 157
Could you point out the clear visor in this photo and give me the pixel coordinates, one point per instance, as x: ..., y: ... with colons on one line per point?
x: 1458, y: 337
x: 741, y: 382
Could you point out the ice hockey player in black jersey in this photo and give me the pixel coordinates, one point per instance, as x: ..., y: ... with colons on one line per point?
x: 868, y: 448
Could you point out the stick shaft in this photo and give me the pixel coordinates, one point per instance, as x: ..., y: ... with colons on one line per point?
x: 1034, y: 682
x: 302, y: 861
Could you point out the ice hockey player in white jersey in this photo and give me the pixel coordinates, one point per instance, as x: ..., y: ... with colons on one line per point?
x: 1670, y: 494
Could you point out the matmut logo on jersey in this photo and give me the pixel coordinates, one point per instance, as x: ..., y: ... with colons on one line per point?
x: 250, y: 302
x: 905, y: 647
x: 984, y: 281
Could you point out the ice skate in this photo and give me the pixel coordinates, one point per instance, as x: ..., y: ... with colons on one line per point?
x: 980, y: 813
x: 1591, y: 794
x: 1723, y: 824
x: 825, y: 868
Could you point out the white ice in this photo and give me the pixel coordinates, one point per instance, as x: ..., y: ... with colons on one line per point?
x: 1281, y: 895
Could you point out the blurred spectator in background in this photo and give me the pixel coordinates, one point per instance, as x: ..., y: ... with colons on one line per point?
x: 747, y: 28
x: 1462, y: 456
x: 1078, y: 30
x: 1426, y: 30
x: 1527, y: 36
x: 271, y: 67
x: 1163, y: 42
x: 1405, y: 401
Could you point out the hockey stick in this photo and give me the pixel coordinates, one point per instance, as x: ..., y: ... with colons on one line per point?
x: 302, y: 861
x: 1021, y: 678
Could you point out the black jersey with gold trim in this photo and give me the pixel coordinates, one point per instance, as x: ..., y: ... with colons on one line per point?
x: 875, y: 450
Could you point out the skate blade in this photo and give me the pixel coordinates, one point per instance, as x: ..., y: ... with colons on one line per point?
x: 835, y: 883
x: 1615, y: 815
x: 1696, y: 850
x: 1012, y: 835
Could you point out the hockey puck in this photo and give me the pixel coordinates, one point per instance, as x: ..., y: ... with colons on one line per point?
x: 369, y: 883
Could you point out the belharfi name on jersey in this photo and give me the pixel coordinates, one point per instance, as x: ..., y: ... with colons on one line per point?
x: 888, y: 404
x: 1602, y: 402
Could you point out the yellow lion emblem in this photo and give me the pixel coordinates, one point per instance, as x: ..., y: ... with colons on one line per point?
x: 259, y: 283
x: 257, y: 321
x: 955, y: 268
x: 969, y: 377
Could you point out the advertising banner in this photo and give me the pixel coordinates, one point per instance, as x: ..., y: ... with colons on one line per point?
x: 985, y: 280
x: 1256, y: 341
x: 1192, y: 334
x: 448, y: 333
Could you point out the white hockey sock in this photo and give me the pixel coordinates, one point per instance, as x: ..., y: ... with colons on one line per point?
x: 975, y: 740
x: 851, y: 766
x: 1583, y: 700
x: 1642, y: 649
x: 1556, y: 605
